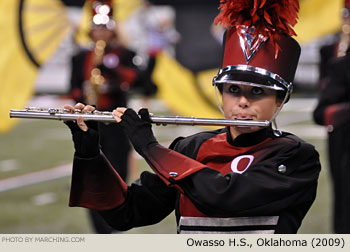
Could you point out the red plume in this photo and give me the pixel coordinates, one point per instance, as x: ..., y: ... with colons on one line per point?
x: 270, y: 18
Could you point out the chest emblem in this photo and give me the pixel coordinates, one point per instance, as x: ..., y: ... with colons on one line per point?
x: 241, y: 163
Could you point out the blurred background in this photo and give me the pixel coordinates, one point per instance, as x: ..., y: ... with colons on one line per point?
x: 39, y: 38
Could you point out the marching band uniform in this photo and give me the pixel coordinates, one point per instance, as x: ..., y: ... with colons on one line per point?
x: 117, y: 84
x: 259, y: 182
x: 262, y: 182
x: 120, y: 75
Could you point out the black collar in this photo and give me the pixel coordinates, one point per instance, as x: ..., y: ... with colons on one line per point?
x: 249, y: 139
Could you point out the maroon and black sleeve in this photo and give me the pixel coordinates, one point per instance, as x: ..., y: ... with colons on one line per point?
x: 148, y: 202
x: 96, y: 185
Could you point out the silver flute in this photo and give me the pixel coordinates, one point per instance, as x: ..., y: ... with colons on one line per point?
x: 107, y: 117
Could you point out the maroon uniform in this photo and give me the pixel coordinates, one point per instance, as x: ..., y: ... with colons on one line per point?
x: 262, y: 182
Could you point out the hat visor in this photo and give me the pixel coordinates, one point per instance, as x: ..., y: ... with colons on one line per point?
x: 251, y: 76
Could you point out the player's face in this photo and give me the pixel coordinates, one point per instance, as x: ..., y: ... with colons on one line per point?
x: 242, y: 102
x: 101, y: 34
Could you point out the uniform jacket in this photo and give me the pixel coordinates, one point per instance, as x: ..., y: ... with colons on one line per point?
x: 261, y: 182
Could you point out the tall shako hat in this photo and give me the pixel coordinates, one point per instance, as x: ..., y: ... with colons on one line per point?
x: 258, y: 47
x: 102, y: 14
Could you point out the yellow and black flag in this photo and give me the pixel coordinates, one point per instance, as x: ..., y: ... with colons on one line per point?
x: 31, y: 31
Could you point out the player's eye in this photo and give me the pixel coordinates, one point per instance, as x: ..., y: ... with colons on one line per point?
x: 234, y: 89
x: 257, y: 91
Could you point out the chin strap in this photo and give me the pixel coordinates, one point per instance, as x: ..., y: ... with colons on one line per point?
x: 218, y: 100
x: 273, y: 118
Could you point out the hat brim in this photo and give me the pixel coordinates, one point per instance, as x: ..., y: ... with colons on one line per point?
x: 251, y: 76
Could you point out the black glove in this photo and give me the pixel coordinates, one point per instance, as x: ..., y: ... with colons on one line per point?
x: 138, y: 130
x: 86, y: 143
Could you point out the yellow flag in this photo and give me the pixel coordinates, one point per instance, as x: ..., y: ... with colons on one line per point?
x: 318, y: 18
x: 16, y: 71
x: 185, y: 93
x: 31, y: 30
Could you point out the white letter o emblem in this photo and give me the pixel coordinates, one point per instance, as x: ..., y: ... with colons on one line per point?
x: 241, y: 163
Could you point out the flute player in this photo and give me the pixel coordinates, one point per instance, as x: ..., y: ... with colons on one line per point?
x: 231, y: 180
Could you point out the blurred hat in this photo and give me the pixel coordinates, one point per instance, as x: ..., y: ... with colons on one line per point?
x: 102, y: 14
x: 347, y: 4
x: 346, y: 9
x: 258, y: 46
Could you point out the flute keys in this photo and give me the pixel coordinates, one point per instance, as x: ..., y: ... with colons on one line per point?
x: 52, y: 111
x: 35, y: 109
x: 97, y: 112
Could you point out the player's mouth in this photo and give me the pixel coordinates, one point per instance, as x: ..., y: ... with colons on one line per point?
x: 244, y: 117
